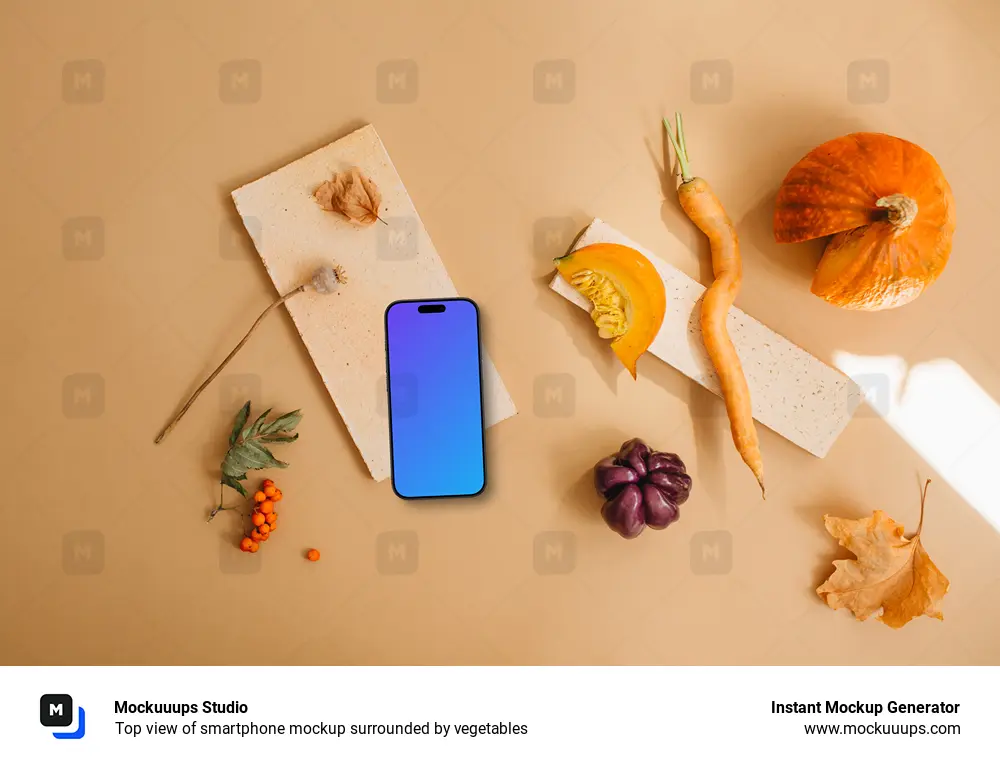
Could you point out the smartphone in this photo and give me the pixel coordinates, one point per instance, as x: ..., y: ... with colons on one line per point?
x: 435, y: 385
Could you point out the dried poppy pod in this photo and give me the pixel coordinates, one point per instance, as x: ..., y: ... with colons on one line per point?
x: 324, y: 281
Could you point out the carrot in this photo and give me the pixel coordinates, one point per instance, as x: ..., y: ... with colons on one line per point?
x: 706, y: 212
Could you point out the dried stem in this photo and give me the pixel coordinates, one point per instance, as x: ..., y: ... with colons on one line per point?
x: 923, y: 500
x: 170, y: 426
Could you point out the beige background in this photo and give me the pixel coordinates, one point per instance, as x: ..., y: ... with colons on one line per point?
x: 130, y: 123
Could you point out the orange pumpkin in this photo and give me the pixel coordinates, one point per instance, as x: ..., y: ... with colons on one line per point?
x: 890, y: 211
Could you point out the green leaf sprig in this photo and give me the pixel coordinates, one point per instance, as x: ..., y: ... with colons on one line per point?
x: 248, y: 449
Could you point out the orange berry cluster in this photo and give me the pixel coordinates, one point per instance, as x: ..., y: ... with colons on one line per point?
x: 264, y: 517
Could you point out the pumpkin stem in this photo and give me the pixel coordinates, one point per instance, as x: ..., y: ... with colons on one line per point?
x: 902, y: 209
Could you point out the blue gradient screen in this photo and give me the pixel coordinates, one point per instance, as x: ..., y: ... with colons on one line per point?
x: 435, y: 398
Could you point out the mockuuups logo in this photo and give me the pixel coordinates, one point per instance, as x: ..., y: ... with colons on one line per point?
x: 56, y: 712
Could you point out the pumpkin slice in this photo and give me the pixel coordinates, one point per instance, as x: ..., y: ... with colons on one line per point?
x: 627, y: 294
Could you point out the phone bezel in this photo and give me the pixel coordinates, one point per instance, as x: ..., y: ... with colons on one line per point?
x: 482, y: 397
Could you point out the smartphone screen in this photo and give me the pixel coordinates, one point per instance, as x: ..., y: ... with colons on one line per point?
x: 435, y: 384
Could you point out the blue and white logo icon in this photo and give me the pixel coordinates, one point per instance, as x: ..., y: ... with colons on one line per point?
x: 56, y: 711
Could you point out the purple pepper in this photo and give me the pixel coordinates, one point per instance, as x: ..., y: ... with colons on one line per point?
x: 641, y: 488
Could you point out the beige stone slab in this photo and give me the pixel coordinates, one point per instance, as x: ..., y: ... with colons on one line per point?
x: 345, y: 333
x: 794, y: 393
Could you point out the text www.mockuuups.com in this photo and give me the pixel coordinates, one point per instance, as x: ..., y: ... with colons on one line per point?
x: 871, y: 710
x: 898, y: 729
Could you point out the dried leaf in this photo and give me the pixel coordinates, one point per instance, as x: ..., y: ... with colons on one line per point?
x: 351, y: 194
x: 241, y: 420
x: 233, y: 464
x: 253, y: 430
x: 279, y: 438
x: 246, y: 445
x: 231, y: 481
x: 247, y: 457
x: 282, y: 423
x: 274, y: 462
x: 892, y: 577
x: 258, y: 457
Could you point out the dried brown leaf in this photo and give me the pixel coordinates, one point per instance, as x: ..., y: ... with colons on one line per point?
x: 352, y: 194
x: 892, y: 577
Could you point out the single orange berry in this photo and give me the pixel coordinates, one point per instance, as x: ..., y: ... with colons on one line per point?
x: 266, y: 507
x: 273, y: 526
x: 270, y: 491
x: 312, y: 554
x: 254, y: 547
x: 254, y: 535
x: 245, y: 544
x: 258, y: 518
x: 259, y: 497
x: 264, y: 528
x: 277, y: 496
x: 264, y: 536
x: 267, y: 483
x: 270, y: 518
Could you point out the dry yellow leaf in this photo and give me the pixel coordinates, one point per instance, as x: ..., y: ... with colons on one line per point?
x: 351, y: 194
x: 892, y: 577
